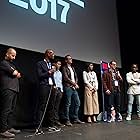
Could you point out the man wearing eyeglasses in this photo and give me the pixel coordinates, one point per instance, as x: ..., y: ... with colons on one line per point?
x: 111, y: 86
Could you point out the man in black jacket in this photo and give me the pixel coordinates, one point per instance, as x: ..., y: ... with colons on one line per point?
x: 46, y: 96
x: 9, y: 87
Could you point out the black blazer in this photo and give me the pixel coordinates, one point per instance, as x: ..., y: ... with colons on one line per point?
x: 42, y: 73
x: 7, y: 80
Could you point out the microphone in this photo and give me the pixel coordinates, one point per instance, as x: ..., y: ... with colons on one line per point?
x: 116, y: 70
x: 118, y: 74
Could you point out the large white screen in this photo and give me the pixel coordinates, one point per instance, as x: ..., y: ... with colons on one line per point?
x: 89, y: 34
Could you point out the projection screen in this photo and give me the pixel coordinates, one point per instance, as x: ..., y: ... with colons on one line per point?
x: 86, y: 29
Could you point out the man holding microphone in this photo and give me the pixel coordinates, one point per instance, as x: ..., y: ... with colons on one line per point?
x: 111, y: 86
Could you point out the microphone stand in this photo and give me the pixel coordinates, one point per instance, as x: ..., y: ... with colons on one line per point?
x: 102, y: 116
x: 103, y: 100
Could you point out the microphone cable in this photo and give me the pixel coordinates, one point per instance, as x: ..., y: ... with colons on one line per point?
x: 37, y: 132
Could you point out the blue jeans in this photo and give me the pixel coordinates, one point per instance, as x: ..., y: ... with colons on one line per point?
x: 72, y: 101
x: 130, y: 103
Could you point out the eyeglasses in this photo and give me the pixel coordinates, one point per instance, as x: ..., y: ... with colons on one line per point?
x: 69, y: 58
x: 51, y: 52
x: 114, y: 64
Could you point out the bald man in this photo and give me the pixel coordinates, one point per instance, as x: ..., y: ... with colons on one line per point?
x: 9, y: 87
x: 46, y: 83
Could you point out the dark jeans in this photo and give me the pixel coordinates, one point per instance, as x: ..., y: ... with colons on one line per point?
x: 72, y: 100
x: 57, y: 100
x: 113, y: 100
x: 46, y: 101
x: 8, y: 100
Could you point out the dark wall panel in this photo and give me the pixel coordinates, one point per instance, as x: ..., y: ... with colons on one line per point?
x: 27, y: 98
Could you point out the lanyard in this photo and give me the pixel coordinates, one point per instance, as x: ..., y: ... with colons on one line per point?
x: 49, y: 65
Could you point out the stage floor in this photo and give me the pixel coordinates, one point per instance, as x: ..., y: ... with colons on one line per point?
x: 125, y: 130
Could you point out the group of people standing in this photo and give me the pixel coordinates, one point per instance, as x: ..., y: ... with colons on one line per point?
x: 55, y: 84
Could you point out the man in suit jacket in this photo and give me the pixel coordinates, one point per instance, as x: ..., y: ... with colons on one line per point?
x: 9, y: 87
x: 46, y: 85
x: 111, y: 86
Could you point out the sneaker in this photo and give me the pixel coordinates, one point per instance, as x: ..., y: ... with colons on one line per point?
x: 78, y: 121
x: 128, y: 118
x: 68, y: 123
x: 53, y: 129
x: 109, y: 120
x: 57, y: 129
x: 14, y: 131
x: 104, y: 116
x: 7, y: 134
x: 39, y: 132
x: 118, y: 117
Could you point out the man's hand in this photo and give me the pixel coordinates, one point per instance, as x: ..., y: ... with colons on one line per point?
x: 15, y: 72
x: 18, y: 75
x: 108, y: 92
x: 76, y: 86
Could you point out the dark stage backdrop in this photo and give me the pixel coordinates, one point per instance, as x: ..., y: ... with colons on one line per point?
x: 27, y: 98
x: 87, y: 29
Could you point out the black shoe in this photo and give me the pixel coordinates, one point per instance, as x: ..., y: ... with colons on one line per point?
x: 59, y: 124
x: 14, y: 131
x: 138, y: 117
x: 119, y: 119
x: 78, y: 122
x: 68, y: 123
x: 7, y: 134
